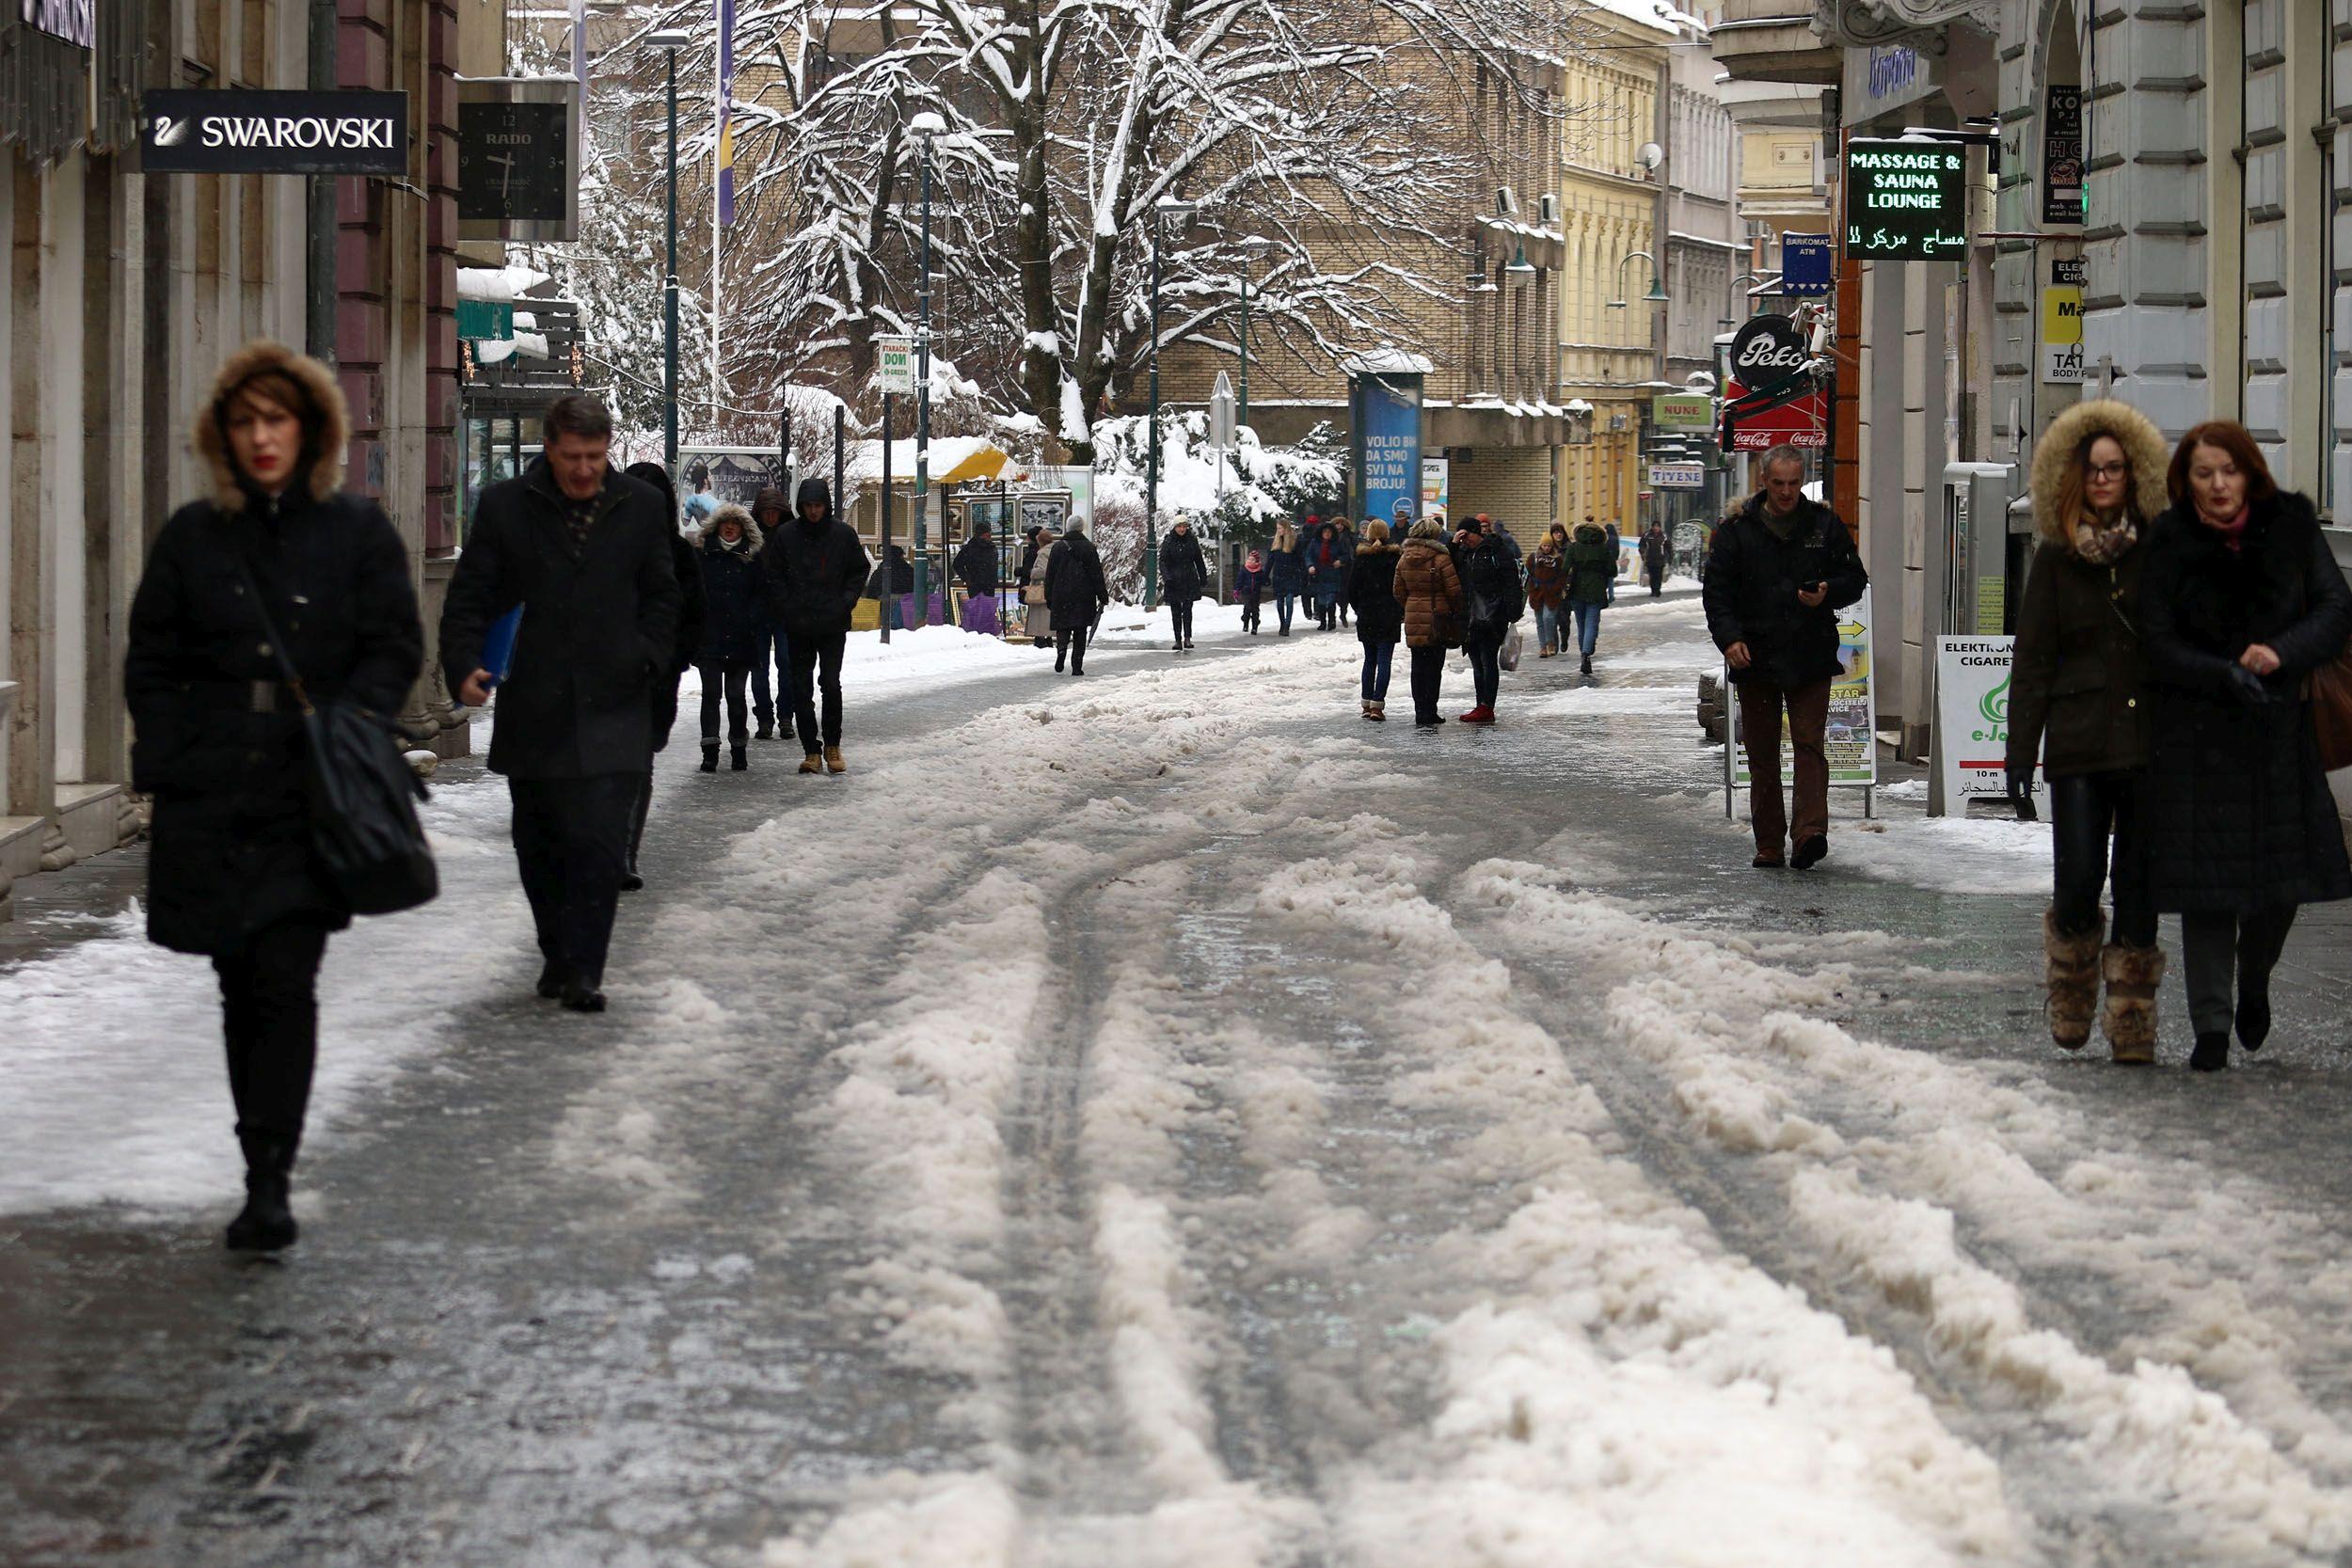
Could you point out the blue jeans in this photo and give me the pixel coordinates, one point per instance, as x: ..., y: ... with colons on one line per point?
x: 1548, y: 625
x: 1284, y: 599
x: 1587, y: 627
x: 1378, y: 657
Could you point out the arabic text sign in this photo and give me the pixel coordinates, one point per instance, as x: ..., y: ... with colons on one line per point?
x: 1851, y: 737
x: 1906, y: 201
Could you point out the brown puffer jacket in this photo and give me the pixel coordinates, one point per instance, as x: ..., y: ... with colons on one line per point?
x: 1431, y: 592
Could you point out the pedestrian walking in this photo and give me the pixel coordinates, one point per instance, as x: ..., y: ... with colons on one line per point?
x: 1592, y: 573
x: 1784, y: 567
x: 1183, y: 575
x: 727, y: 554
x: 2240, y: 603
x: 1429, y: 592
x: 1035, y: 563
x: 1493, y: 600
x: 975, y: 568
x: 585, y: 551
x: 1249, y: 587
x: 1324, y: 566
x: 1341, y: 588
x: 769, y: 507
x: 1379, y: 617
x: 219, y: 744
x: 1286, y: 569
x: 1079, y: 593
x: 815, y: 568
x: 2076, y: 703
x: 1548, y: 588
x: 686, y: 565
x: 1654, y: 558
x: 1616, y: 560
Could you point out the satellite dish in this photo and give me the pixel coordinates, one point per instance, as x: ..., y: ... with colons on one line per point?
x: 1650, y: 155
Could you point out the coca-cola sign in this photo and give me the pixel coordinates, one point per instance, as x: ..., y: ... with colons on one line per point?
x: 1767, y: 349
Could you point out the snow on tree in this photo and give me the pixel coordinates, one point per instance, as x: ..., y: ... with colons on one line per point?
x: 1238, y: 501
x: 1329, y: 130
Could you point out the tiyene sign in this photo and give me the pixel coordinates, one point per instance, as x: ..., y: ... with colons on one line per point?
x: 232, y: 131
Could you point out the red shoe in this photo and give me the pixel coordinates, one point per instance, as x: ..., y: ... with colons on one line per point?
x: 1482, y: 714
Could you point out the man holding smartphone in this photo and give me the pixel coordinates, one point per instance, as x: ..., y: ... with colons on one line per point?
x: 1780, y: 570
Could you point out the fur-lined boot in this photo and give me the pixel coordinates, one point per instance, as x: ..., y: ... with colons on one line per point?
x: 2129, y: 1017
x: 2073, y: 979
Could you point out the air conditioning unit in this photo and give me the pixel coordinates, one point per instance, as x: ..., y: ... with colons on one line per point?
x: 1506, y: 201
x: 1618, y: 422
x: 1548, y: 206
x: 1759, y: 229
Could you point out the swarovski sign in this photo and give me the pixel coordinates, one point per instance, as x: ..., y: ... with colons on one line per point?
x: 232, y: 131
x: 75, y: 22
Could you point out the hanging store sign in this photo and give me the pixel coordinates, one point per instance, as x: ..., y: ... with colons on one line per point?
x: 1906, y: 201
x: 1677, y: 475
x: 74, y: 22
x: 2062, y: 155
x: 1767, y: 399
x: 236, y: 131
x: 483, y: 319
x: 1807, y: 269
x: 2062, y: 336
x: 1682, y: 411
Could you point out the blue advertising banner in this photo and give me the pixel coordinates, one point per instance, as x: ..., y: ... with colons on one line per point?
x: 1806, y: 267
x: 1386, y: 418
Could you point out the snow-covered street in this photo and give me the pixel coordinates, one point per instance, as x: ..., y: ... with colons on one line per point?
x: 1162, y: 1119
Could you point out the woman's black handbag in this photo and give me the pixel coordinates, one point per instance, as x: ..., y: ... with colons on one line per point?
x: 363, y: 796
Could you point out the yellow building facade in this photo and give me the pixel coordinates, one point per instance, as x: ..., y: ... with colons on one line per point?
x: 1610, y: 354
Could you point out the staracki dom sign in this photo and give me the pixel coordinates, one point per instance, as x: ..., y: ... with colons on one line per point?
x: 227, y: 130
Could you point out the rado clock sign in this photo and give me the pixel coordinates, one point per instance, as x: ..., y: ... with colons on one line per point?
x: 234, y: 131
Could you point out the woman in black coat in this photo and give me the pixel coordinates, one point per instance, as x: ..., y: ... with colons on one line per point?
x: 231, y: 872
x: 686, y: 566
x: 727, y: 554
x: 1076, y: 592
x: 1380, y: 619
x: 2240, y: 602
x: 2077, y: 703
x: 1183, y: 576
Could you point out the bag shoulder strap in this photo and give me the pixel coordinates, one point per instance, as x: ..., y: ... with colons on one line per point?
x: 269, y: 632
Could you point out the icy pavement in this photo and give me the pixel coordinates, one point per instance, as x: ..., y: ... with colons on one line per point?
x: 1162, y: 1119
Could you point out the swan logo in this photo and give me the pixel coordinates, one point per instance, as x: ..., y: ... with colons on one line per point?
x: 170, y: 131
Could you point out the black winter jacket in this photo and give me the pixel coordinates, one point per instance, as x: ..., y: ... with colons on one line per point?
x: 231, y: 835
x: 1372, y: 594
x: 597, y: 630
x: 816, y: 572
x: 1184, y: 570
x: 734, y: 612
x: 976, y: 566
x: 1494, y: 596
x: 1751, y: 583
x: 2077, y: 674
x: 1075, y: 589
x: 2240, y: 816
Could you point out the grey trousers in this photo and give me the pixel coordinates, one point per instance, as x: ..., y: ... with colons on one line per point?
x: 2223, y: 952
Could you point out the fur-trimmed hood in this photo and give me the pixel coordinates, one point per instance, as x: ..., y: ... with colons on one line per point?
x: 707, y: 539
x: 2141, y: 441
x: 210, y: 438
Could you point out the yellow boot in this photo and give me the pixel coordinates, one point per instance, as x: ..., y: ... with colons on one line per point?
x: 832, y: 760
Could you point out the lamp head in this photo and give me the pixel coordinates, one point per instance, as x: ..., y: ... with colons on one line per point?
x: 928, y: 123
x: 668, y: 37
x: 1169, y: 208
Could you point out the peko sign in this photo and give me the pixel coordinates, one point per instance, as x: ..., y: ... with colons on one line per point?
x: 234, y: 131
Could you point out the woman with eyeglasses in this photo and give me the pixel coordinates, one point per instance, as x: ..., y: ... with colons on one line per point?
x: 2242, y: 601
x: 2076, y: 703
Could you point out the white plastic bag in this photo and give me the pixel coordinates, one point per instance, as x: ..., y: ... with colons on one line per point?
x: 1512, y: 642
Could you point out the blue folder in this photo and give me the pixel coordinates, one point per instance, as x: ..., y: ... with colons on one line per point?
x: 498, y: 647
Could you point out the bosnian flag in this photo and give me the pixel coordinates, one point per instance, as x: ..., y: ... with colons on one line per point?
x: 726, y: 111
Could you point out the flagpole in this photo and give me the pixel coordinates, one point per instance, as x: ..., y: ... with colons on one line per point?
x: 718, y: 150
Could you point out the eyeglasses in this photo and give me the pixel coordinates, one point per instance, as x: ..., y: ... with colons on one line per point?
x: 2109, y: 471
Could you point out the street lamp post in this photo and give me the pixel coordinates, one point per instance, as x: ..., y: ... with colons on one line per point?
x: 1168, y: 209
x: 670, y: 40
x: 925, y: 126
